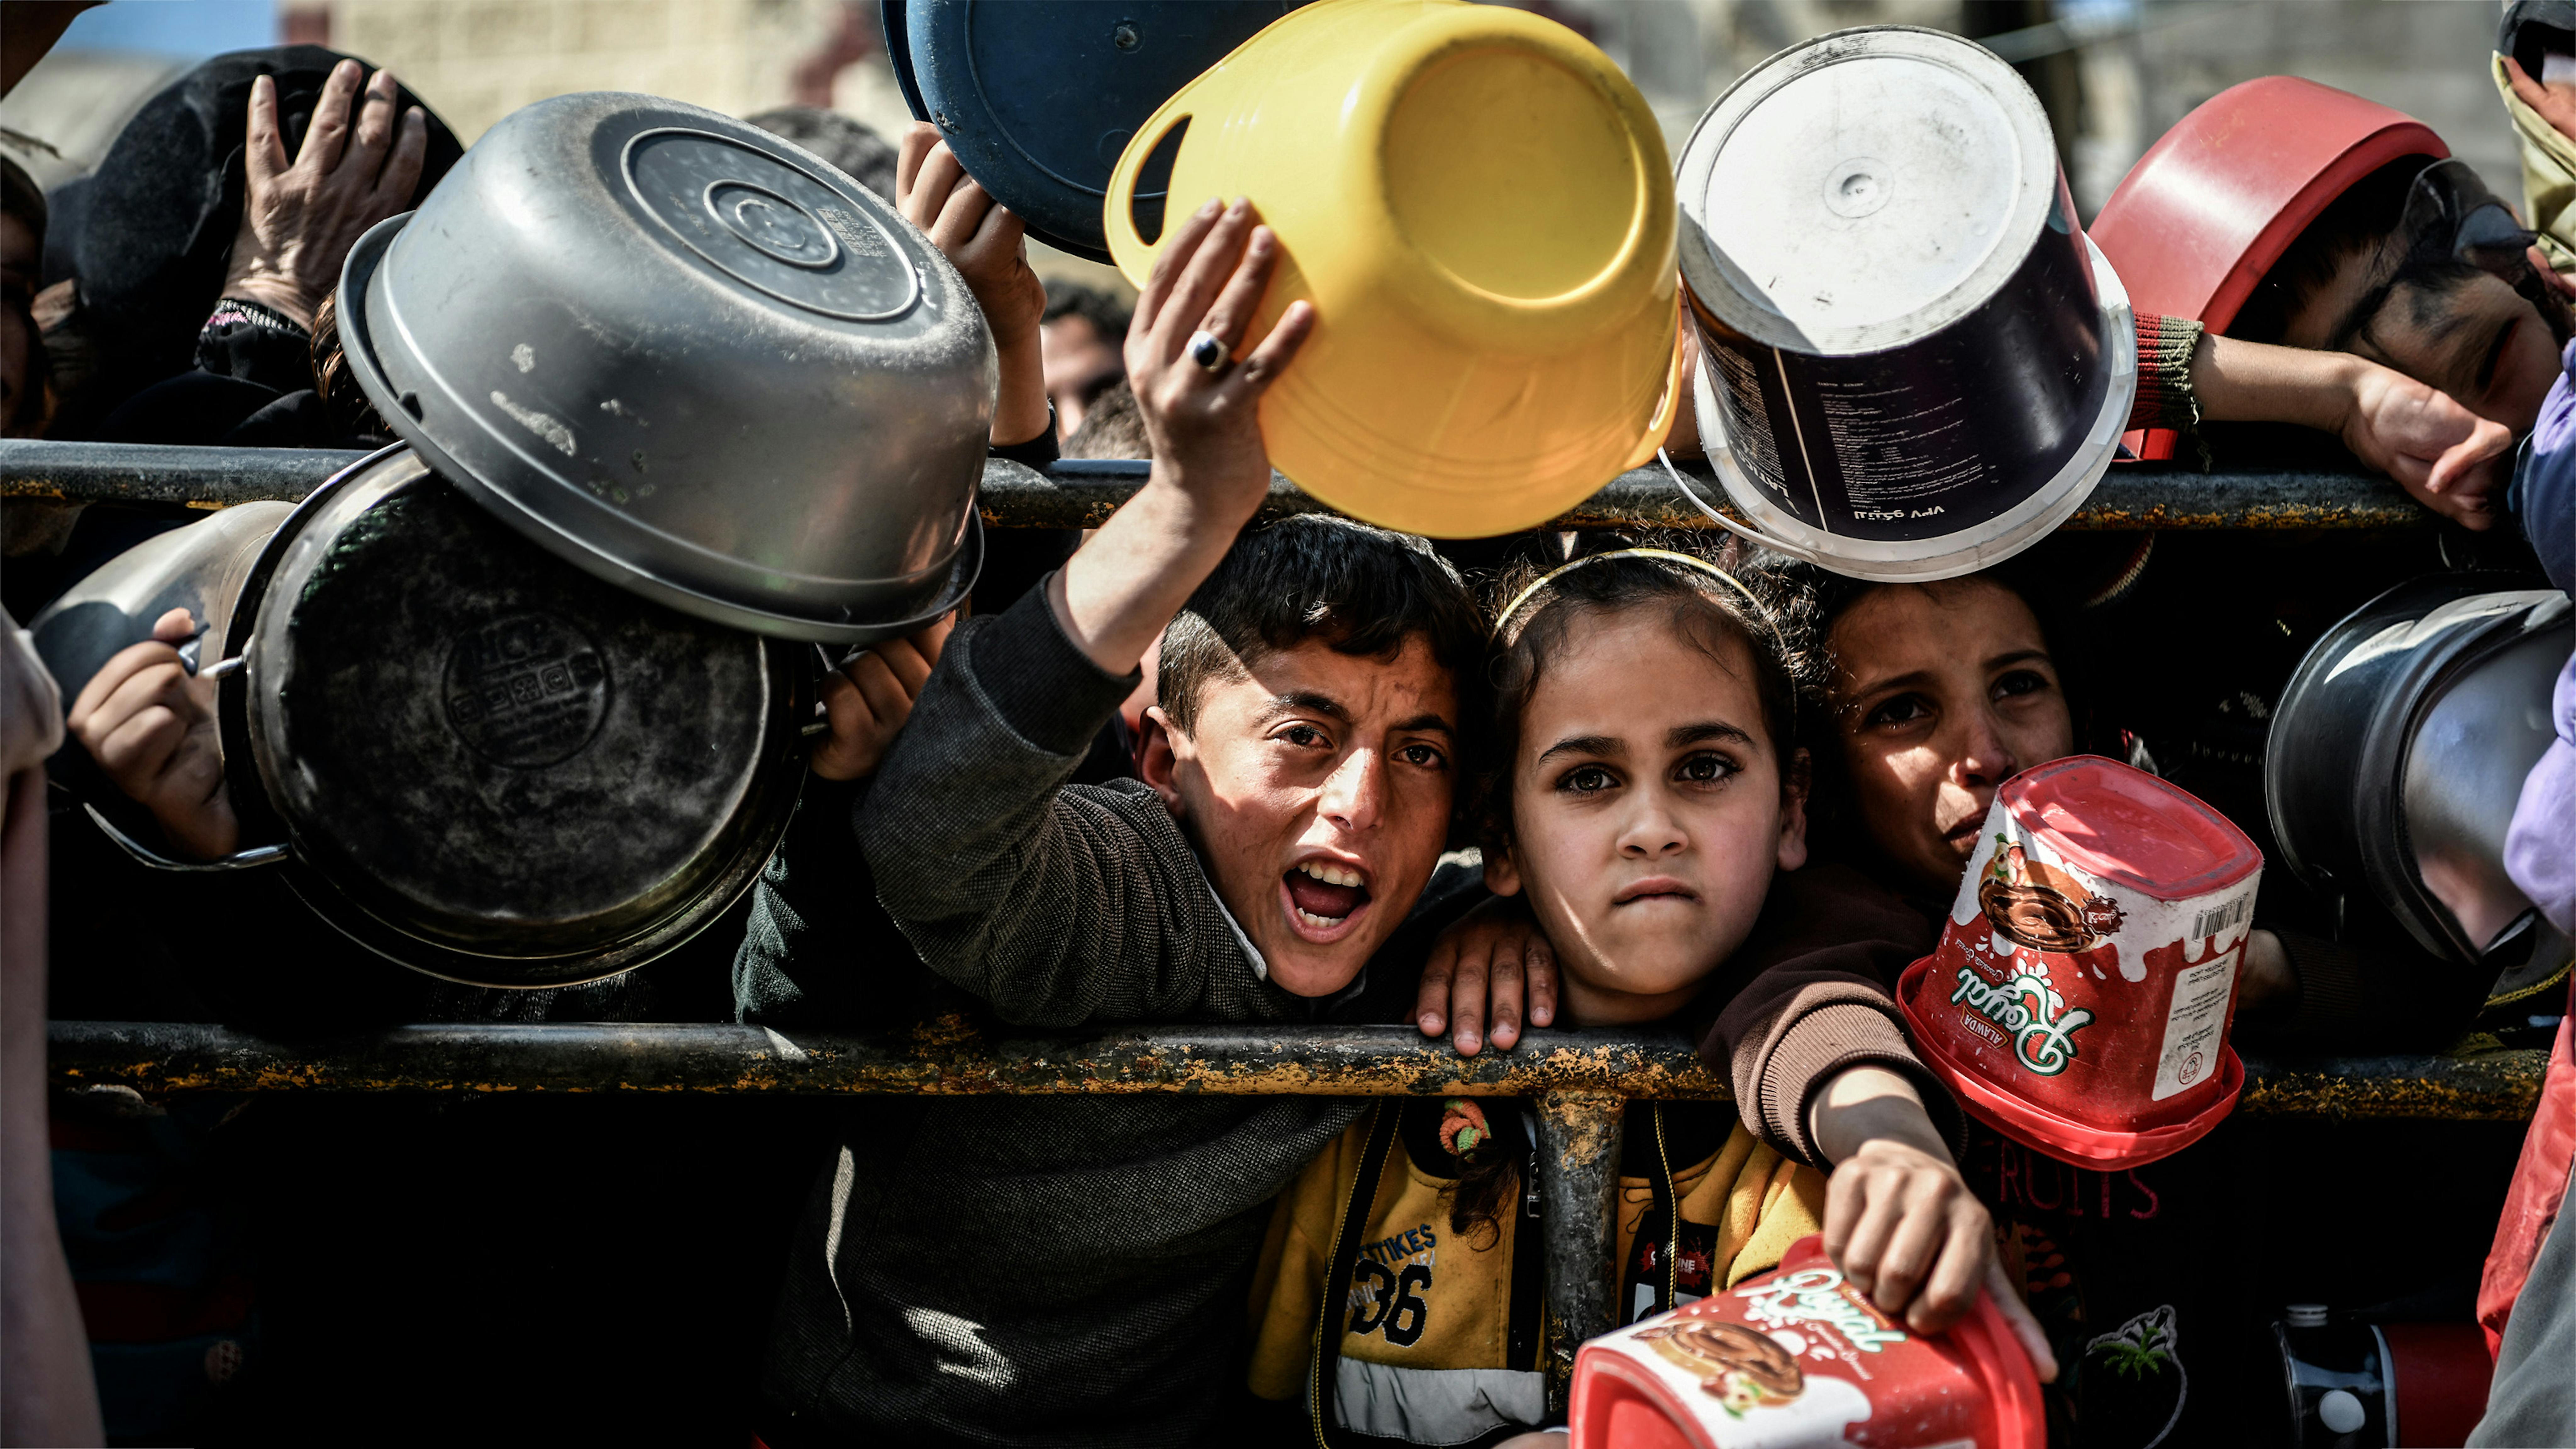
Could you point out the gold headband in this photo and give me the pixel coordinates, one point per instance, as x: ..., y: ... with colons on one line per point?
x: 1664, y: 555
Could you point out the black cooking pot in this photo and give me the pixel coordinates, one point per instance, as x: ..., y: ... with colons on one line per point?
x: 478, y: 760
x: 2397, y: 754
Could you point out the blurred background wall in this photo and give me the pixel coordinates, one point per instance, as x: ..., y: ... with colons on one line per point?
x: 2113, y: 73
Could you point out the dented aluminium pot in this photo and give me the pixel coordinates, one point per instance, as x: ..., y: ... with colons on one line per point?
x: 1914, y: 364
x: 691, y: 358
x: 2080, y: 999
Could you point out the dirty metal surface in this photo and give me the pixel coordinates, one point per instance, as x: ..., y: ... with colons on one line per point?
x: 2494, y: 1086
x: 952, y: 1056
x: 1080, y: 493
x: 1578, y: 1184
x: 945, y: 1056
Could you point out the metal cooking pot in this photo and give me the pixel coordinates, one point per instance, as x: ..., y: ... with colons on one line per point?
x: 1914, y: 364
x: 2398, y: 752
x: 691, y: 358
x: 1038, y: 100
x: 482, y: 763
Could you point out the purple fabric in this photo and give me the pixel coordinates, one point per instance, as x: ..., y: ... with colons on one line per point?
x: 2540, y: 850
x: 2543, y: 496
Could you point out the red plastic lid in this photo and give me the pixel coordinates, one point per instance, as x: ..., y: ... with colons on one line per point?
x: 2213, y: 204
x: 2125, y: 825
x: 2035, y: 1127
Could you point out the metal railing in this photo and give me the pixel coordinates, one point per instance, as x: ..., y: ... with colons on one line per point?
x: 1080, y: 492
x: 1580, y: 1081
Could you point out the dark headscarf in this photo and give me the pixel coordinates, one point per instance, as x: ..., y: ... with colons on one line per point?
x: 161, y: 211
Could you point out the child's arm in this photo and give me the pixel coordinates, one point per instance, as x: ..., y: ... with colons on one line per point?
x: 2451, y: 459
x: 984, y: 241
x: 1210, y: 469
x: 1060, y: 906
x: 1899, y: 1219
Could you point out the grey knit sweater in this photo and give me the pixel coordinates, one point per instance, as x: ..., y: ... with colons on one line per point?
x: 1032, y: 1270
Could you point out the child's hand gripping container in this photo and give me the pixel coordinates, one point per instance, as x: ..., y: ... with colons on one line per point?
x: 2080, y: 999
x: 1798, y: 1358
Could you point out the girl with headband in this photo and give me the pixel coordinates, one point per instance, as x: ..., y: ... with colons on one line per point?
x: 1644, y: 794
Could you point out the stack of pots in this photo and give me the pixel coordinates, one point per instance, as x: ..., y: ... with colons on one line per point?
x: 520, y: 701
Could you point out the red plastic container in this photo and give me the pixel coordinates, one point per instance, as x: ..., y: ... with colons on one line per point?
x: 2080, y: 999
x: 1797, y: 1358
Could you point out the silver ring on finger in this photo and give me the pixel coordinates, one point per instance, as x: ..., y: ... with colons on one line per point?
x: 1208, y: 350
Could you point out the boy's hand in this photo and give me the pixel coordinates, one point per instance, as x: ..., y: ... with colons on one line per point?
x: 870, y: 698
x: 151, y: 727
x: 986, y: 244
x: 2449, y: 458
x: 302, y: 213
x: 1900, y: 1221
x: 1210, y: 469
x: 1481, y: 970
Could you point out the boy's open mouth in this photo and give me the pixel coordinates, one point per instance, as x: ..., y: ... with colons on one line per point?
x: 1323, y: 896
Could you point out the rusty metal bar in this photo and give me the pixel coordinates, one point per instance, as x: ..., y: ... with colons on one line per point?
x: 1578, y: 1184
x: 951, y: 1056
x: 1080, y: 492
x: 947, y: 1056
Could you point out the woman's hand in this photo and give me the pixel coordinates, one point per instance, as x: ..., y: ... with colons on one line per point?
x: 987, y: 245
x: 301, y: 214
x: 2449, y: 458
x: 868, y: 701
x: 150, y: 725
x: 1900, y: 1221
x: 1481, y: 970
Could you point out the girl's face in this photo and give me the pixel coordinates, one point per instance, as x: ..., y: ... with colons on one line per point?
x: 1648, y: 813
x: 1941, y: 693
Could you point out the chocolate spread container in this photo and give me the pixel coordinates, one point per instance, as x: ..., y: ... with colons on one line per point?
x: 1797, y: 1357
x: 2080, y: 999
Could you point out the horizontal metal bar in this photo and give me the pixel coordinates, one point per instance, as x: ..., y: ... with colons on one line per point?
x: 951, y: 1056
x: 1081, y: 492
x: 947, y: 1056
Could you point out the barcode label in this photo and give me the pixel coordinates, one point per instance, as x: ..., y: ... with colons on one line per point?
x: 2218, y: 918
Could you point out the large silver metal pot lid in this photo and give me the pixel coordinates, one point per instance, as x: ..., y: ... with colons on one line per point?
x: 1864, y: 190
x: 692, y: 359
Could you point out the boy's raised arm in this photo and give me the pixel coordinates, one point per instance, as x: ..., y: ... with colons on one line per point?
x: 1063, y: 906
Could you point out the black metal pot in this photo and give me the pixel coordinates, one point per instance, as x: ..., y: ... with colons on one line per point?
x: 2398, y: 752
x: 481, y: 762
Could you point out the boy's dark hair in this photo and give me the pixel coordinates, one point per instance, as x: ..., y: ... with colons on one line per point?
x: 1107, y: 315
x: 1362, y: 590
x: 2355, y: 222
x: 1704, y: 609
x: 1112, y: 427
x: 864, y: 156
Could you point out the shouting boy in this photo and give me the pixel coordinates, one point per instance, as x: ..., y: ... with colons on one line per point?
x: 1067, y: 1270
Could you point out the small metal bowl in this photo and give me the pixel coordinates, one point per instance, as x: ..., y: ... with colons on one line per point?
x: 692, y: 359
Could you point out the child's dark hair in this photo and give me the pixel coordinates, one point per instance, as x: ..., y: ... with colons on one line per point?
x: 1704, y: 608
x: 1364, y: 591
x: 2355, y: 222
x: 1812, y: 600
